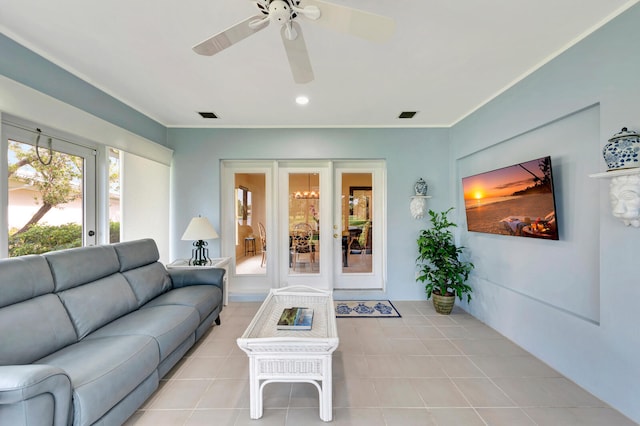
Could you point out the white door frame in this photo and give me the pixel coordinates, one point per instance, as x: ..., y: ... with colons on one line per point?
x: 247, y: 284
x: 322, y: 279
x: 277, y: 230
x: 376, y: 279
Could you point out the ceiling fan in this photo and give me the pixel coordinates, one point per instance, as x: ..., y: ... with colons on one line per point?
x: 284, y: 13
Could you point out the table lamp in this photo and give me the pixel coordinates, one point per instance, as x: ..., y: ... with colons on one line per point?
x: 199, y: 229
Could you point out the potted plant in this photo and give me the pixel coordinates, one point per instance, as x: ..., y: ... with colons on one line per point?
x: 440, y: 266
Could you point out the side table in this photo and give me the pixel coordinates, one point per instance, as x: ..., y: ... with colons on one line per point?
x: 218, y: 262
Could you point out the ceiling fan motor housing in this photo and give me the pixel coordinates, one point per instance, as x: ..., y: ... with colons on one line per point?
x: 265, y: 7
x: 279, y: 12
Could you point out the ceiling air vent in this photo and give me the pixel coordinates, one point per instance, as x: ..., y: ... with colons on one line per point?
x: 208, y: 115
x: 407, y: 114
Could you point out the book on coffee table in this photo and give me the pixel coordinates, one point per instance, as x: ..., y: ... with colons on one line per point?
x: 296, y: 318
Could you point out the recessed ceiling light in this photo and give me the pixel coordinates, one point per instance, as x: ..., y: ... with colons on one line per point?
x: 302, y: 100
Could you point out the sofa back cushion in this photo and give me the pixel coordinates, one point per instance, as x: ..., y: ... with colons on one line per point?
x: 139, y: 264
x: 97, y: 303
x: 33, y: 322
x: 133, y: 254
x: 23, y: 278
x: 33, y: 329
x: 77, y: 266
x: 148, y: 281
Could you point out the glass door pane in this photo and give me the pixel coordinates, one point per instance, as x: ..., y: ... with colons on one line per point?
x: 250, y: 219
x: 304, y: 223
x: 114, y: 195
x: 50, y: 183
x: 360, y: 224
x: 357, y: 220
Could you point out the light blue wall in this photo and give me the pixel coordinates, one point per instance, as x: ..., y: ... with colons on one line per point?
x: 30, y: 69
x: 574, y: 302
x: 409, y: 154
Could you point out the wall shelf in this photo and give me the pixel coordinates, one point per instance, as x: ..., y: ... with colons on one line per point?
x: 616, y: 173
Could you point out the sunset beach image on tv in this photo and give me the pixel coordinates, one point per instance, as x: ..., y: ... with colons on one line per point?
x: 517, y: 200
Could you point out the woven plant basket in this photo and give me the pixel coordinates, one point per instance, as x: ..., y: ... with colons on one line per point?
x: 443, y: 304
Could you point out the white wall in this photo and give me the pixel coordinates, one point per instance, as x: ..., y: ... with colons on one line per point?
x: 580, y: 313
x: 145, y: 201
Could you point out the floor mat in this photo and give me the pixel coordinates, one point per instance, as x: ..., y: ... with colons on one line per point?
x: 365, y: 309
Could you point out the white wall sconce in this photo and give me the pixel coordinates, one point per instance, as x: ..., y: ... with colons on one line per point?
x: 418, y: 205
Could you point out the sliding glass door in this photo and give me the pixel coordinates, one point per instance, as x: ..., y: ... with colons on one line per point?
x: 51, y: 192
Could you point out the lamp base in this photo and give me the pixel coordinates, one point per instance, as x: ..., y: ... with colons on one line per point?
x: 200, y: 254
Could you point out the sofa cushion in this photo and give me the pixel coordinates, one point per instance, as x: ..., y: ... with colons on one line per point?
x: 32, y: 329
x: 22, y: 278
x: 168, y: 325
x: 133, y: 254
x: 97, y: 303
x: 148, y: 281
x: 104, y: 371
x: 76, y: 266
x: 204, y: 298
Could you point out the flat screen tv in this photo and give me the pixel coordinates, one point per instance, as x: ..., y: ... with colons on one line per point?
x: 517, y: 200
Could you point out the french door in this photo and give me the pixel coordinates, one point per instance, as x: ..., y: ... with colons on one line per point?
x: 359, y: 225
x: 304, y: 222
x: 51, y: 189
x: 309, y: 222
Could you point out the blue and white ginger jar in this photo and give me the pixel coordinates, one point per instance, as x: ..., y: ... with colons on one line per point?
x: 623, y: 150
x: 420, y: 187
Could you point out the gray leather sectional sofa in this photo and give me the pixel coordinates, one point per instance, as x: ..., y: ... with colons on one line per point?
x: 87, y: 333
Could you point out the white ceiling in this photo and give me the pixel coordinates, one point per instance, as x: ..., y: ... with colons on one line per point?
x: 446, y: 58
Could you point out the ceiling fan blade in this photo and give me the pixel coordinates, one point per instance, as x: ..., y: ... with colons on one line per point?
x: 231, y: 36
x: 359, y: 23
x: 297, y: 54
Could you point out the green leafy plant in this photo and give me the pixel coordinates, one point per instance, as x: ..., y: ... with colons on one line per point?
x: 114, y: 232
x: 439, y: 261
x: 43, y: 238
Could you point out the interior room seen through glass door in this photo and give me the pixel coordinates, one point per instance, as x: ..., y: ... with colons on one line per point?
x: 304, y: 223
x: 250, y: 224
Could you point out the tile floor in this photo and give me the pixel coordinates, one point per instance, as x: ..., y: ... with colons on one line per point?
x: 421, y: 369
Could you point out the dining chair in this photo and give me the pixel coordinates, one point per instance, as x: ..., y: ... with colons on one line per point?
x: 365, y: 239
x: 263, y: 243
x: 302, y: 243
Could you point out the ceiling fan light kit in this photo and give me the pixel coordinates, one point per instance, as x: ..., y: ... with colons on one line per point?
x: 284, y: 12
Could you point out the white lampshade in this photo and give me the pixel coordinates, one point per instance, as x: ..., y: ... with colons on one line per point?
x: 200, y: 229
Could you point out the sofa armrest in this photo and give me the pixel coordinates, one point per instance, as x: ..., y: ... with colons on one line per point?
x: 22, y: 385
x: 182, y: 277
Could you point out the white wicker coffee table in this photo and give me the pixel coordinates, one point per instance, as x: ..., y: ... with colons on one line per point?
x: 292, y: 356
